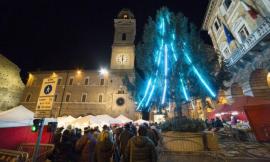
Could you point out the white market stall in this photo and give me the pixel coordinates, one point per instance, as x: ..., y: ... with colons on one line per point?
x: 123, y: 119
x: 140, y: 122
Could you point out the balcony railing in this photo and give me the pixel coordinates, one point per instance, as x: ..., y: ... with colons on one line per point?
x: 261, y: 32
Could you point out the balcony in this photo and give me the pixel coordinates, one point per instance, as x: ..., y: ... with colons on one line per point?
x: 258, y: 35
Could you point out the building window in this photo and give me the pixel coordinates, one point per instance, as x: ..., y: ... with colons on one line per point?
x: 67, y: 97
x: 84, y: 96
x: 59, y: 81
x: 28, y: 97
x: 217, y: 24
x: 102, y: 82
x: 227, y: 4
x: 55, y: 97
x: 70, y: 81
x: 124, y: 36
x: 86, y: 81
x: 226, y: 52
x: 100, y: 98
x: 125, y: 16
x: 243, y: 33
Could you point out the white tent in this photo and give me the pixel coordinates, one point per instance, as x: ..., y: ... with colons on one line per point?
x: 123, y: 119
x: 107, y: 120
x: 141, y: 121
x: 82, y: 122
x: 18, y: 116
x: 65, y: 121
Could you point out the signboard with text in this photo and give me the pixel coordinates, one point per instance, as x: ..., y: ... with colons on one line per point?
x: 46, y: 97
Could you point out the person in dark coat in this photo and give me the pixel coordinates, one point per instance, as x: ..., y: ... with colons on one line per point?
x: 104, y: 147
x: 86, y: 146
x: 65, y: 148
x: 151, y: 134
x: 124, y: 137
x: 140, y: 148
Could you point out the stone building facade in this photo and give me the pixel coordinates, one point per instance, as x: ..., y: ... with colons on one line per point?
x: 84, y: 92
x: 240, y: 32
x: 11, y: 85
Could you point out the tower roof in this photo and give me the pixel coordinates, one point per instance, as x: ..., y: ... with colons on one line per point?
x: 125, y: 14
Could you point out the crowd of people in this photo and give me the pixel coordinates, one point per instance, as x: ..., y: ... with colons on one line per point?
x: 214, y: 124
x: 129, y: 143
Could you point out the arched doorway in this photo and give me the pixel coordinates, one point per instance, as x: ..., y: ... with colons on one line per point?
x: 236, y: 90
x: 260, y: 83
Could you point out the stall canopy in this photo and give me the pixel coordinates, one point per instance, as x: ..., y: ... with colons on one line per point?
x: 65, y: 121
x: 141, y: 121
x: 106, y: 119
x: 123, y: 119
x: 16, y: 117
x: 85, y: 121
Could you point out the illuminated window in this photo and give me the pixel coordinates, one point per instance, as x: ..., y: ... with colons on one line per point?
x: 70, y: 81
x: 86, y: 81
x: 100, y: 98
x: 84, y: 96
x: 68, y: 97
x: 101, y: 81
x: 125, y: 16
x: 59, y: 81
x: 124, y: 36
x: 28, y: 97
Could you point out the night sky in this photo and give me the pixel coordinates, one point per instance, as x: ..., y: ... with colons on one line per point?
x: 68, y: 34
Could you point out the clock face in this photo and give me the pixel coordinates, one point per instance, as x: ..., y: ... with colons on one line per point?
x: 122, y: 59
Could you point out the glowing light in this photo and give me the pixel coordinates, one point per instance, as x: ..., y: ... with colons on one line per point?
x: 173, y: 50
x: 173, y: 36
x: 150, y: 96
x: 235, y: 113
x: 103, y: 71
x: 184, y: 90
x: 166, y: 60
x: 188, y: 59
x: 164, y: 91
x: 79, y: 72
x: 145, y: 94
x: 203, y: 81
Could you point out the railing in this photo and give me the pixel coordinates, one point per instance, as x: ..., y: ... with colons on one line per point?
x: 261, y: 32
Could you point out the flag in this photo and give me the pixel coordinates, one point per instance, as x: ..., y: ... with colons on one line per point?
x: 252, y: 12
x: 228, y: 34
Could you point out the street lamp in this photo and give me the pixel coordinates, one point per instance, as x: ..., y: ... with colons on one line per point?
x: 103, y: 71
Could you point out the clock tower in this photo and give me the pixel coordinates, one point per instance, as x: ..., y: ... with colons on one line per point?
x: 123, y: 49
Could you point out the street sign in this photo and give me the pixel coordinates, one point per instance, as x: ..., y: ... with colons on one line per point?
x: 46, y: 97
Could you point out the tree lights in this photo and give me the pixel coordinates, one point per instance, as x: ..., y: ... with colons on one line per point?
x: 165, y: 58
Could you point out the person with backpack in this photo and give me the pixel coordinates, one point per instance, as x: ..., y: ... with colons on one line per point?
x: 104, y: 147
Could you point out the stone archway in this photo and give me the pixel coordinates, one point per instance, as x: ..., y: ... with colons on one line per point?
x: 236, y: 90
x: 259, y: 82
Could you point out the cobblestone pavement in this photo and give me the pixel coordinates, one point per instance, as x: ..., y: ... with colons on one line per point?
x: 230, y: 151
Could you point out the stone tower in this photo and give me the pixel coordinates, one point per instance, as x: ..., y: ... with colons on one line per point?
x: 123, y: 49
